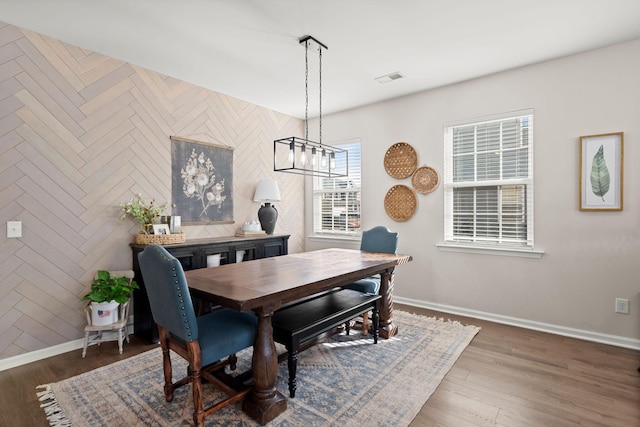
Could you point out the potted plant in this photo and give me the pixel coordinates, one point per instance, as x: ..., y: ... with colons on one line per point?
x: 106, y: 293
x: 145, y: 214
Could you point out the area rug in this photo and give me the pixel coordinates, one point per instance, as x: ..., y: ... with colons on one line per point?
x: 347, y: 381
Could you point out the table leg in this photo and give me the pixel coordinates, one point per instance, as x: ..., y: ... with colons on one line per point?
x: 265, y: 402
x: 387, y: 327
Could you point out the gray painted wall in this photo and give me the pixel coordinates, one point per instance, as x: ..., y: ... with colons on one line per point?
x: 590, y: 258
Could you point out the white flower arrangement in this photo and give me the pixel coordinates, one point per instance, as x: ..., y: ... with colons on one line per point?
x: 199, y: 182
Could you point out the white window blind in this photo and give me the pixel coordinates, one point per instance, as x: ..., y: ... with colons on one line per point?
x: 336, y: 201
x: 489, y: 181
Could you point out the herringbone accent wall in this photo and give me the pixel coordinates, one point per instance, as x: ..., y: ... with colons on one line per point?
x: 79, y: 134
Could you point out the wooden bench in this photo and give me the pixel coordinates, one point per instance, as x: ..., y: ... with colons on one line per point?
x: 298, y: 325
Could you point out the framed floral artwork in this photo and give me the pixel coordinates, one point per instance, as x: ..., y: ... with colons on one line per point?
x: 601, y: 167
x: 202, y: 182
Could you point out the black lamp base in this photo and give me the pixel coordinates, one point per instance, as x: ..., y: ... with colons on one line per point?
x: 268, y: 215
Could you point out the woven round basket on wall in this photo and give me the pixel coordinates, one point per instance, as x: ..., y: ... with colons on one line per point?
x: 400, y: 203
x: 160, y: 239
x: 425, y: 179
x: 400, y: 160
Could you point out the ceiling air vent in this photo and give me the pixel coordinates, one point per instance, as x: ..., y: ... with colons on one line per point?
x: 389, y: 77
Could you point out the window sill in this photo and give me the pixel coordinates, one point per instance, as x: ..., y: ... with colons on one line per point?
x: 327, y: 237
x: 487, y: 250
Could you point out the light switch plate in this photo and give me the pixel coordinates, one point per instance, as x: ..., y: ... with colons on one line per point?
x: 14, y: 229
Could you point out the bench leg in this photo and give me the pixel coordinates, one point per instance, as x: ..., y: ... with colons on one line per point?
x: 376, y: 324
x: 293, y: 367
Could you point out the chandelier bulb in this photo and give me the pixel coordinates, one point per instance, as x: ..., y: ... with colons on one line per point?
x: 292, y: 147
x: 323, y: 159
x: 303, y: 154
x: 332, y: 161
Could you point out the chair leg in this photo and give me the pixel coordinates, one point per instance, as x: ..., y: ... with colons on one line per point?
x: 233, y: 362
x: 365, y: 323
x: 196, y: 386
x: 86, y: 343
x: 120, y: 339
x: 166, y: 367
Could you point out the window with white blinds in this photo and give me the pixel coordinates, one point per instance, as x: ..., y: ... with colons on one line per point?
x: 488, y: 182
x: 336, y: 201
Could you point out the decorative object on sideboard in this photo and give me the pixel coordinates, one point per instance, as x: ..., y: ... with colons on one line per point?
x: 268, y: 192
x: 143, y: 213
x: 148, y: 215
x: 159, y: 239
x: 302, y: 156
x: 173, y: 221
x: 250, y: 229
x: 400, y: 203
x: 400, y: 160
x: 161, y: 229
x: 425, y: 179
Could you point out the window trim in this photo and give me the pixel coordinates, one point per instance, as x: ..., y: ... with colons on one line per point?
x: 495, y: 247
x: 338, y: 235
x: 514, y: 251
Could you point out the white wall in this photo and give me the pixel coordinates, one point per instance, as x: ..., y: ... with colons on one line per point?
x: 590, y: 257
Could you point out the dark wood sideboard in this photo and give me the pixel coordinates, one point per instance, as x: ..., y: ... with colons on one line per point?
x: 192, y: 255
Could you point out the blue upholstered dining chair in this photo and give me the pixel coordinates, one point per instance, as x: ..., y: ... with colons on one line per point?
x: 203, y: 341
x: 376, y: 239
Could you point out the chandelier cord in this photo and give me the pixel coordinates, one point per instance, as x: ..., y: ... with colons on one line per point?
x: 320, y: 78
x: 306, y: 90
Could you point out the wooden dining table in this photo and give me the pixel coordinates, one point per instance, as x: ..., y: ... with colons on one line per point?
x: 264, y: 285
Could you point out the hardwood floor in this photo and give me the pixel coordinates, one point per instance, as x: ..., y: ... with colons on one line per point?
x: 19, y: 405
x: 508, y: 376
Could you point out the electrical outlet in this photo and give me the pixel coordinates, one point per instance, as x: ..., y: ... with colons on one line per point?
x: 14, y: 229
x: 622, y: 305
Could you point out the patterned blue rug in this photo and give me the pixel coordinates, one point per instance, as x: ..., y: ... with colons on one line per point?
x: 347, y: 381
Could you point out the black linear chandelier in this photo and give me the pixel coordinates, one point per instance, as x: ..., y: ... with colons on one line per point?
x: 302, y: 156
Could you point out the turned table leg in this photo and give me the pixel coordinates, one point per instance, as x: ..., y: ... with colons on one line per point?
x: 387, y: 327
x: 265, y: 402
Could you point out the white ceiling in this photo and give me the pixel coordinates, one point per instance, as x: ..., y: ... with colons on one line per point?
x: 249, y: 49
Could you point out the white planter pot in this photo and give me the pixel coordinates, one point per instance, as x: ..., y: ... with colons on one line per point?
x: 104, y: 313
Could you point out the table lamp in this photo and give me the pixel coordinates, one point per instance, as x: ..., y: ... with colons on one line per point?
x: 267, y: 191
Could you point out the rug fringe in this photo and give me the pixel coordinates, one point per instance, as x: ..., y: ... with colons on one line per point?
x: 52, y: 409
x: 446, y: 321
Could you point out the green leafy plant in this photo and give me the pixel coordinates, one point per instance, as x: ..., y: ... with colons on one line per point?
x: 106, y: 288
x: 141, y: 212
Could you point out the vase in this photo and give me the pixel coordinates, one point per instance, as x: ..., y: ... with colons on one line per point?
x: 148, y: 228
x: 104, y: 313
x: 268, y: 215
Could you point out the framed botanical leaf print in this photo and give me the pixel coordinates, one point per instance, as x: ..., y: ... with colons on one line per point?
x: 601, y: 172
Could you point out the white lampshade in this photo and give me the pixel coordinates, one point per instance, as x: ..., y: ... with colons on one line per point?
x: 267, y: 191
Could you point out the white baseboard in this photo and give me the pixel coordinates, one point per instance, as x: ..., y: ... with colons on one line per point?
x: 34, y: 356
x: 634, y: 344
x: 615, y: 340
